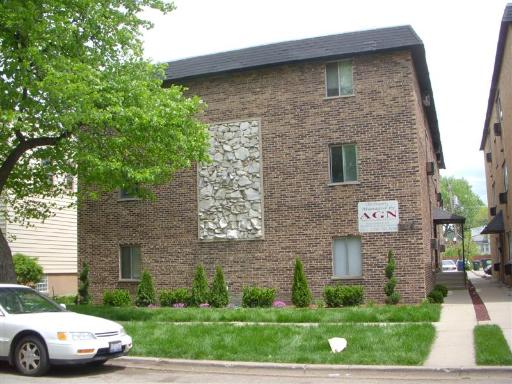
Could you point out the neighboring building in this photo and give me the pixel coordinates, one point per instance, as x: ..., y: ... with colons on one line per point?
x: 54, y: 244
x: 326, y: 149
x: 497, y: 147
x: 481, y: 241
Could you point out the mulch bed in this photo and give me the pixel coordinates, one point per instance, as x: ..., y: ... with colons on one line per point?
x: 478, y: 304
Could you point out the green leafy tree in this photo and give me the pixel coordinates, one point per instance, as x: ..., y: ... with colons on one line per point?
x: 145, y: 291
x: 83, y: 288
x: 301, y: 294
x: 200, y: 291
x: 219, y: 292
x: 28, y: 270
x: 77, y: 98
x: 459, y: 198
x: 393, y: 297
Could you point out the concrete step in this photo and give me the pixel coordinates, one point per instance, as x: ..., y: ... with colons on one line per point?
x: 452, y: 280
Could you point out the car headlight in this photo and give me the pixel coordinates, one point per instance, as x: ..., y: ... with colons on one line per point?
x: 122, y: 332
x: 68, y: 336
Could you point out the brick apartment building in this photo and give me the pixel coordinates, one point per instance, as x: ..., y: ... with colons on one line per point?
x: 497, y: 147
x: 326, y: 149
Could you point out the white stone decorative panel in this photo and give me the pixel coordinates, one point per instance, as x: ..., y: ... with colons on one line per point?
x: 230, y: 187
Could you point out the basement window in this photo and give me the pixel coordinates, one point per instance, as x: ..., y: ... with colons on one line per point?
x: 130, y: 262
x: 346, y: 257
x: 338, y: 78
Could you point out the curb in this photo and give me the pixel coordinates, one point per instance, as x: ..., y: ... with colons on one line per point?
x: 183, y: 364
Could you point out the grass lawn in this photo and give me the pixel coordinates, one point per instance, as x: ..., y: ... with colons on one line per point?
x: 399, y: 344
x: 373, y: 314
x: 491, y: 348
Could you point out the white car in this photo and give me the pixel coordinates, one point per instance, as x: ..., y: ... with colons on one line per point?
x: 449, y: 266
x: 36, y: 332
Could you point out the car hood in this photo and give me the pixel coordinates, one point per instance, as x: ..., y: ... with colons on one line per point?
x: 67, y: 322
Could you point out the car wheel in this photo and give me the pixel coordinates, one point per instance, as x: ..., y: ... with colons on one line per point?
x: 30, y: 356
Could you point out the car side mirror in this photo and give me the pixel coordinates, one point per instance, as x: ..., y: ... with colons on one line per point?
x: 63, y: 306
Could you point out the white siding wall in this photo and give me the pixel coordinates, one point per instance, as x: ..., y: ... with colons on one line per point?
x: 53, y: 242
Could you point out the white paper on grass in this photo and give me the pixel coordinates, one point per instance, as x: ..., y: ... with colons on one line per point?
x: 337, y: 344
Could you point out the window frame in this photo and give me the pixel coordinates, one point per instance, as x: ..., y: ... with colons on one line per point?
x: 124, y: 195
x: 131, y: 246
x: 326, y: 96
x: 345, y: 182
x: 333, y: 258
x: 499, y: 109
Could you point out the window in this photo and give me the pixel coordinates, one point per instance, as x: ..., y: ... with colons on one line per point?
x: 42, y: 286
x: 128, y: 193
x: 499, y: 110
x: 130, y: 262
x: 343, y: 166
x: 505, y: 177
x: 338, y: 78
x: 347, y: 257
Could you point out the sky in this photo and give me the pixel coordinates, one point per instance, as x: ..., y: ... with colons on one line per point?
x: 460, y: 40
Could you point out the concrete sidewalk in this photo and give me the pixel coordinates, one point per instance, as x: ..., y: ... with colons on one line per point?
x: 453, y: 347
x: 497, y: 297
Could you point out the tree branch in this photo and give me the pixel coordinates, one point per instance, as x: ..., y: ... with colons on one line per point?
x: 24, y: 146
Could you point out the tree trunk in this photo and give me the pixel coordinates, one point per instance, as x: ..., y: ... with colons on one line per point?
x: 7, y: 273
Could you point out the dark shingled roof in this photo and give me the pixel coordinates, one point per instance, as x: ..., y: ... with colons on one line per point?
x: 324, y: 47
x: 505, y: 21
x: 317, y: 48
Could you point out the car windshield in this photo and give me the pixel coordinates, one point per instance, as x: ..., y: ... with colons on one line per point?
x: 448, y: 262
x: 25, y: 300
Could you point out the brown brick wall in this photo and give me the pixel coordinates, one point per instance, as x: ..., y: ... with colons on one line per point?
x: 501, y: 149
x: 303, y: 213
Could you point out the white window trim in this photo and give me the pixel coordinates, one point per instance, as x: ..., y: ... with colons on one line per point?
x: 339, y: 90
x: 346, y: 277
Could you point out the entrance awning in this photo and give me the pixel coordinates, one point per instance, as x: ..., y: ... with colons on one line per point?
x: 495, y: 225
x: 440, y: 216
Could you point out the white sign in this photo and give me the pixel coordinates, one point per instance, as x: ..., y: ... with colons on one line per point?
x: 378, y: 216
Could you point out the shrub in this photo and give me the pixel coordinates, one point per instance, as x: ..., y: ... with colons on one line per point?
x: 301, y: 294
x: 393, y: 297
x: 145, y: 291
x: 219, y: 292
x: 67, y: 300
x: 343, y: 295
x: 168, y: 298
x: 253, y: 297
x: 441, y: 288
x: 200, y: 291
x: 28, y: 270
x: 83, y: 296
x: 117, y: 298
x: 435, y: 296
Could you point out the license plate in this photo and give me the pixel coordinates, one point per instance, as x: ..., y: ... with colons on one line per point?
x: 115, y: 347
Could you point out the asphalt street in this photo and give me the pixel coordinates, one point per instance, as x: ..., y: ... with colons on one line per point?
x: 123, y: 372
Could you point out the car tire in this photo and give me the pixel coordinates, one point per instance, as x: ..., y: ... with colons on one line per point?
x: 31, y: 357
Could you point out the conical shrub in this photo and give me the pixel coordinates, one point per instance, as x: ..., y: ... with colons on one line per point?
x: 200, y: 291
x: 219, y: 292
x: 301, y: 294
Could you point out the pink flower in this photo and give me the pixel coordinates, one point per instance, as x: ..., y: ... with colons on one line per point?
x: 178, y: 305
x: 204, y: 305
x: 279, y: 304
